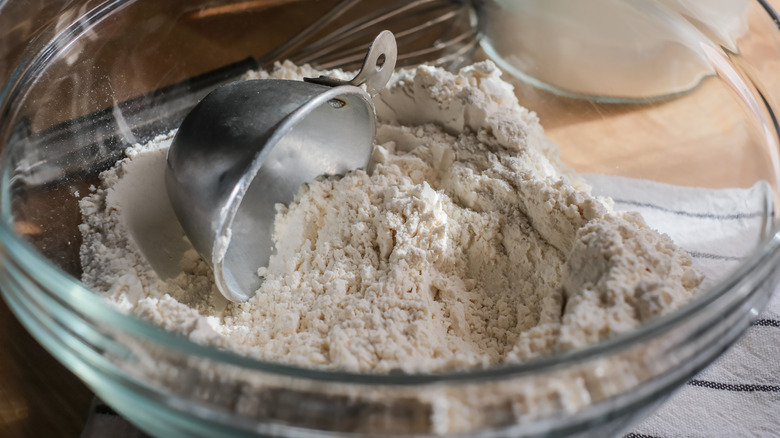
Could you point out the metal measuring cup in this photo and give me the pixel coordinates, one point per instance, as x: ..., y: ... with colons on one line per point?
x: 250, y: 145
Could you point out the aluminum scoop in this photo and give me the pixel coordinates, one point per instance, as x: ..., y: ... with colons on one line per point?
x: 250, y: 145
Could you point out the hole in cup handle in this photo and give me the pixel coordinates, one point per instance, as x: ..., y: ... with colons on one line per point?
x: 380, y: 62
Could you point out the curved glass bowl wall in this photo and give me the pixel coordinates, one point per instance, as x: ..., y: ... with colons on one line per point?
x: 70, y: 105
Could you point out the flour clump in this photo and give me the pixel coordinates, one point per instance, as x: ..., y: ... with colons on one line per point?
x: 466, y: 244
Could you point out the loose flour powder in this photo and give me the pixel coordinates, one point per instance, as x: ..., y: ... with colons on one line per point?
x: 467, y: 244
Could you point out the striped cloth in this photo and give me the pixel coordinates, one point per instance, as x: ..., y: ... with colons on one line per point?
x: 104, y: 422
x: 739, y: 394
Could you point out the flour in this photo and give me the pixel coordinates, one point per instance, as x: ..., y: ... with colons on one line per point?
x: 467, y: 244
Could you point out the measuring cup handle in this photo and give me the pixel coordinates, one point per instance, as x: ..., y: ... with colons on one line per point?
x: 377, y: 68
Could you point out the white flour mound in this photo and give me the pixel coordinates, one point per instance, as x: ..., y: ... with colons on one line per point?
x: 468, y: 244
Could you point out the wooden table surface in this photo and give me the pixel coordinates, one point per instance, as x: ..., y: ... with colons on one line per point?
x: 40, y: 398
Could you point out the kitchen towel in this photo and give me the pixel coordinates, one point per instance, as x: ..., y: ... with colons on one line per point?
x: 739, y: 394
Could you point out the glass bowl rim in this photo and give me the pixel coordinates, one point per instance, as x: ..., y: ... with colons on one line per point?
x: 52, y: 278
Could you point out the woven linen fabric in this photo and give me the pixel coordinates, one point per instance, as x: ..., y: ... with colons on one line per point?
x: 739, y: 394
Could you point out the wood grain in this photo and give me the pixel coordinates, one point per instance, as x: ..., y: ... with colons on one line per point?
x: 38, y: 396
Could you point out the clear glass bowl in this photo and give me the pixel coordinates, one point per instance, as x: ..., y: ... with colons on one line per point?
x: 69, y: 105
